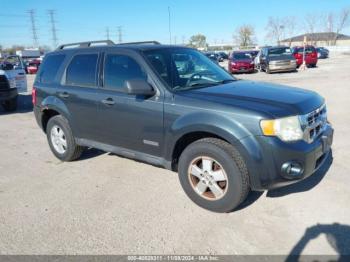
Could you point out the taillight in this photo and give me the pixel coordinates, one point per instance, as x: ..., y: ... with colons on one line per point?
x: 314, y: 54
x: 298, y: 55
x: 34, y: 96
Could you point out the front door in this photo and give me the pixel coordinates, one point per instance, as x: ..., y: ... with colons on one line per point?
x: 128, y: 121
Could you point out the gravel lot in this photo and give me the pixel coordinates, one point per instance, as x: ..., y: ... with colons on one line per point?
x: 105, y: 204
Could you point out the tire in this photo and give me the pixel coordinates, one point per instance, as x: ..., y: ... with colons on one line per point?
x: 229, y: 164
x: 67, y: 151
x: 10, y: 105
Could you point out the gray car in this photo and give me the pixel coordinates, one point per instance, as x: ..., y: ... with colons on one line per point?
x: 276, y: 59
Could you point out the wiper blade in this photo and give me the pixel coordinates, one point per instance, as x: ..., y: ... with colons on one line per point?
x: 225, y: 81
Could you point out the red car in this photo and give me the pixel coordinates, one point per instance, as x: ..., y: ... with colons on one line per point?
x: 33, y: 67
x: 241, y: 62
x: 310, y: 55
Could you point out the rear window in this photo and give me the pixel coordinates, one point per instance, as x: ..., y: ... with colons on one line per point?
x: 279, y: 51
x: 82, y: 70
x: 50, y: 68
x: 308, y: 50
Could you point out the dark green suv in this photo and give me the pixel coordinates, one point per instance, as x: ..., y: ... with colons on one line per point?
x: 173, y: 107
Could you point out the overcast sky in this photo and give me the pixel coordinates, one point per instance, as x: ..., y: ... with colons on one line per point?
x: 148, y: 20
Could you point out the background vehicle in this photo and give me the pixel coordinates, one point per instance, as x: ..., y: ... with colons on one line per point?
x: 223, y: 55
x: 212, y: 56
x: 12, y: 81
x: 241, y: 62
x: 224, y: 137
x: 322, y: 52
x: 33, y: 66
x: 310, y: 55
x: 277, y: 59
x: 253, y: 53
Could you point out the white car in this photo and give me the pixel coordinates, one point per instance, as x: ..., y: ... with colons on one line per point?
x: 12, y: 81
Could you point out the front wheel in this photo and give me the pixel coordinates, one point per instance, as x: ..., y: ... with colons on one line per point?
x: 61, y: 140
x: 10, y: 105
x: 214, y: 175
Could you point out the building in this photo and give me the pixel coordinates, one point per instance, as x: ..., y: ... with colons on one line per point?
x: 318, y: 39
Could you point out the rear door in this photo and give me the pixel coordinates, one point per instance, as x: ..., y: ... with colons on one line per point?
x: 128, y: 121
x: 78, y: 92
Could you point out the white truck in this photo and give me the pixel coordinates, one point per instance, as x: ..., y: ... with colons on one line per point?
x: 12, y: 81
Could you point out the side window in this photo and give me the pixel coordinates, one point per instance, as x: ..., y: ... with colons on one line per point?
x: 159, y: 64
x: 120, y: 68
x: 82, y: 70
x: 49, y: 68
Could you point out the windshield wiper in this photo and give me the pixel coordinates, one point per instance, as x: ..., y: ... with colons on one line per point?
x: 225, y: 81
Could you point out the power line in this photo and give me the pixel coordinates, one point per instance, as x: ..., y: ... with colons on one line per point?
x: 53, y: 28
x: 31, y: 13
x: 120, y: 34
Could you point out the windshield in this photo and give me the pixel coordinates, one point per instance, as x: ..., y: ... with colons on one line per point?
x: 240, y: 56
x: 280, y: 51
x: 184, y: 69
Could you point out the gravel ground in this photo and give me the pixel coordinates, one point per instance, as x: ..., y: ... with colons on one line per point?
x: 105, y: 204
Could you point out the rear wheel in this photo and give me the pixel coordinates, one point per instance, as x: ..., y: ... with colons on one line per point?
x: 10, y: 105
x: 61, y: 140
x: 214, y: 175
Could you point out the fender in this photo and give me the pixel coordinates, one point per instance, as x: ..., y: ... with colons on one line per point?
x: 56, y: 104
x: 220, y: 125
x: 226, y: 128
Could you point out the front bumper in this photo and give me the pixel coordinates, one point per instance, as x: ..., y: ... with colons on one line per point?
x: 8, y: 94
x: 267, y: 173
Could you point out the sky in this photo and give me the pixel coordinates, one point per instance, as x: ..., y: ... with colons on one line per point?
x: 141, y: 20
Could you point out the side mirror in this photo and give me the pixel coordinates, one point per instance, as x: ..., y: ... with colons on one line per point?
x: 139, y: 87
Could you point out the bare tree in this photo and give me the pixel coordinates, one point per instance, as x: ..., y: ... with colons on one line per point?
x: 244, y: 35
x: 311, y: 23
x: 198, y: 41
x: 275, y: 29
x: 290, y: 25
x: 342, y: 22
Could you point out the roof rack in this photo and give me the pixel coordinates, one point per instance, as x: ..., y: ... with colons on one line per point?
x: 141, y: 43
x: 85, y: 44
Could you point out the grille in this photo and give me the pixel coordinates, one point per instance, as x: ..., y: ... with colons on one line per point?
x: 4, y: 84
x: 314, y: 123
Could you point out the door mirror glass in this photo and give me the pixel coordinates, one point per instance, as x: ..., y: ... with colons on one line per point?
x: 139, y: 87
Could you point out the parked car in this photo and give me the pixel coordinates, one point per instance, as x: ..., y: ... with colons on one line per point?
x: 224, y: 137
x: 322, y: 52
x: 253, y: 53
x: 223, y: 55
x: 310, y: 55
x: 213, y: 56
x: 12, y: 81
x: 33, y: 66
x: 276, y: 59
x: 241, y: 62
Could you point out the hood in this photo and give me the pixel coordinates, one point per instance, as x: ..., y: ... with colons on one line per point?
x: 272, y: 99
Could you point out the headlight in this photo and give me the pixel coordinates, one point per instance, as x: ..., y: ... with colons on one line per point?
x: 252, y: 62
x: 288, y: 129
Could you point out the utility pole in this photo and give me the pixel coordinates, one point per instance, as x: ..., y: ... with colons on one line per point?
x: 120, y: 34
x: 31, y: 13
x: 107, y: 33
x: 169, y: 24
x: 53, y: 28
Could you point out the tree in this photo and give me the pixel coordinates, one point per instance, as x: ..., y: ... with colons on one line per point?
x: 342, y: 22
x: 275, y: 29
x: 198, y: 41
x: 244, y: 35
x: 290, y: 25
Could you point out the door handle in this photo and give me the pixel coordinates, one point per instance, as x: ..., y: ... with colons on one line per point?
x: 63, y: 94
x: 109, y: 101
